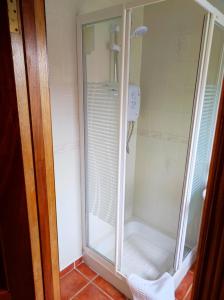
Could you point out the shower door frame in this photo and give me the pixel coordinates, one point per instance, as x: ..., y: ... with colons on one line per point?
x: 193, y: 141
x: 213, y: 16
x: 89, y: 18
x: 124, y: 11
x: 196, y: 130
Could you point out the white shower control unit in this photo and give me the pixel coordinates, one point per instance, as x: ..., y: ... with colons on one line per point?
x: 133, y: 102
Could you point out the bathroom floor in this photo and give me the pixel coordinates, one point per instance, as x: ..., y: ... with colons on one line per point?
x: 82, y: 283
x: 184, y: 290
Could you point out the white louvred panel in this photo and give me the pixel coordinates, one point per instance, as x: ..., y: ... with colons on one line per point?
x: 206, y: 134
x: 102, y: 146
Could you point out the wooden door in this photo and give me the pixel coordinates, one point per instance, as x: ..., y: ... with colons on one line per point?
x: 28, y: 233
x: 15, y: 253
x: 20, y: 255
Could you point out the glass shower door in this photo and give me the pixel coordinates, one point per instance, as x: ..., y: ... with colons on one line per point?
x: 101, y: 52
x: 205, y: 138
x: 164, y: 58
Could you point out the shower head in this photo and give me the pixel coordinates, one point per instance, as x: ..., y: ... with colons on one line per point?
x: 140, y: 31
x: 115, y: 48
x: 115, y: 28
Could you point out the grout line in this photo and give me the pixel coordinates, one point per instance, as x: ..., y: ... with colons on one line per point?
x: 88, y: 283
x: 86, y: 276
x: 74, y: 267
x: 188, y: 292
x: 79, y: 260
x: 78, y: 264
x: 67, y: 273
x: 91, y: 282
x: 104, y: 292
x: 86, y: 265
x: 99, y: 288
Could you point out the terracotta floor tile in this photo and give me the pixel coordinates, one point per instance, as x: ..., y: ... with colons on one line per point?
x: 108, y: 288
x: 188, y: 296
x: 91, y: 293
x: 78, y: 261
x: 184, y: 286
x: 71, y: 284
x: 67, y: 270
x: 84, y: 269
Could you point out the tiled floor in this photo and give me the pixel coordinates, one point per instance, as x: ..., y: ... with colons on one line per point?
x: 184, y: 290
x: 82, y: 283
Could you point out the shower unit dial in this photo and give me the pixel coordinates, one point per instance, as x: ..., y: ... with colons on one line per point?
x: 133, y: 111
x: 133, y: 103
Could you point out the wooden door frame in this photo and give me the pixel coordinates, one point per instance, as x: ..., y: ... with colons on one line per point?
x: 33, y: 34
x: 19, y: 233
x: 31, y: 76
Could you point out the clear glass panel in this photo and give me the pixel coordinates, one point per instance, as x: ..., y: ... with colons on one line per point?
x: 206, y: 134
x: 164, y: 55
x: 218, y: 4
x: 101, y: 52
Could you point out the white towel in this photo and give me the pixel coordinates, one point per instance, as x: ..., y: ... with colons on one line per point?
x: 160, y: 289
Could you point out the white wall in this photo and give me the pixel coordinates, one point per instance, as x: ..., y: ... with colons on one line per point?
x: 61, y: 43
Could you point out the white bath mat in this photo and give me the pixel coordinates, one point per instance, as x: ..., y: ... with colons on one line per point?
x: 160, y: 289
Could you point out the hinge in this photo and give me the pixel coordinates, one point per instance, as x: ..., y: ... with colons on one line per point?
x: 13, y: 16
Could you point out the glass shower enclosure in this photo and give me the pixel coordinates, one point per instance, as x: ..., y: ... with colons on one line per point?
x: 150, y: 76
